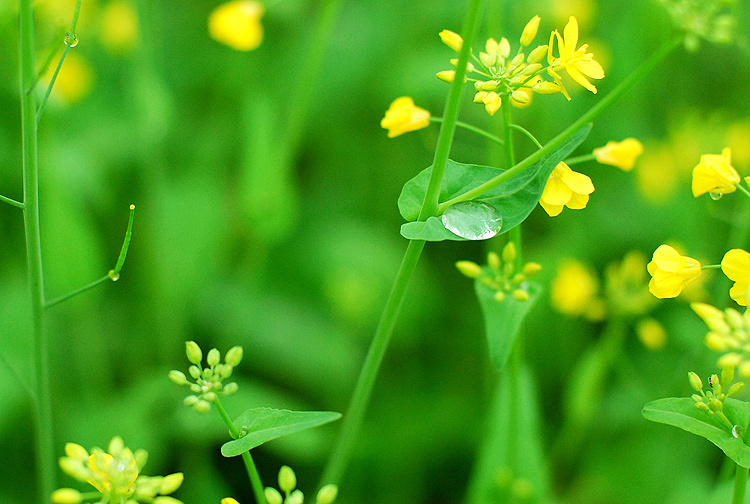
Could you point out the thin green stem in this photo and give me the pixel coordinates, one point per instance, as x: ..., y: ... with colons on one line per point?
x: 527, y: 133
x: 510, y: 160
x: 71, y: 40
x: 740, y: 483
x: 587, y: 117
x: 252, y: 471
x: 352, y: 421
x: 474, y: 129
x: 742, y: 188
x: 56, y: 301
x: 43, y: 425
x: 711, y: 266
x: 11, y: 201
x: 580, y: 159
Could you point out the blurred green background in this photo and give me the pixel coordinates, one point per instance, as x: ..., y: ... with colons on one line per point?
x: 240, y: 241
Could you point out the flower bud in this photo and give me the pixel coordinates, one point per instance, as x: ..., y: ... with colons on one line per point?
x: 296, y: 497
x: 696, y: 398
x: 452, y: 40
x: 230, y: 388
x: 191, y: 400
x: 193, y: 352
x: 529, y: 31
x: 492, y: 102
x: 479, y: 97
x: 517, y: 60
x: 210, y: 396
x: 715, y: 405
x: 499, y: 296
x: 76, y: 451
x: 234, y: 356
x: 75, y: 468
x: 509, y: 252
x: 202, y: 406
x: 537, y: 54
x: 531, y: 269
x: 727, y: 375
x: 195, y: 388
x: 116, y: 445
x: 195, y: 372
x: 490, y: 60
x: 226, y: 371
x: 532, y: 68
x: 66, y: 496
x: 166, y: 500
x: 469, y: 268
x: 695, y: 381
x: 446, y: 76
x: 520, y: 295
x: 733, y: 318
x: 735, y: 388
x: 503, y: 48
x: 170, y: 483
x: 272, y: 496
x: 327, y: 494
x: 287, y: 479
x: 546, y: 88
x: 213, y: 358
x: 141, y: 457
x: 178, y: 377
x: 702, y: 406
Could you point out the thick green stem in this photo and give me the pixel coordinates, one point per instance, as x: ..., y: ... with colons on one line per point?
x: 740, y: 483
x: 587, y: 117
x: 252, y: 471
x: 43, y: 426
x: 352, y: 421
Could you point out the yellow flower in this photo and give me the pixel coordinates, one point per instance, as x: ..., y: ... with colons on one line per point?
x: 574, y: 291
x: 237, y: 24
x: 671, y: 272
x: 577, y: 62
x: 715, y: 174
x: 620, y: 154
x: 403, y: 116
x: 565, y: 188
x: 119, y: 26
x: 736, y: 266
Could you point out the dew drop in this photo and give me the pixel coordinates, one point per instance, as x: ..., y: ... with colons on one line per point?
x: 113, y: 276
x: 715, y: 195
x: 737, y: 431
x: 71, y: 40
x: 472, y: 220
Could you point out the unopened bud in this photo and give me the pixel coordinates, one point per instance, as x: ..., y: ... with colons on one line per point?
x: 296, y: 497
x: 537, y: 54
x: 213, y: 358
x: 327, y: 494
x: 517, y: 60
x: 178, y: 377
x: 226, y: 371
x: 195, y: 372
x: 695, y: 381
x: 141, y: 457
x: 191, y: 400
x: 531, y: 269
x: 116, y: 445
x: 230, y: 388
x: 469, y: 268
x: 490, y: 60
x: 75, y: 468
x: 696, y: 398
x: 446, y: 76
x: 735, y: 388
x: 546, y: 88
x: 727, y: 375
x: 469, y: 67
x: 479, y: 97
x: 702, y: 406
x: 452, y: 40
x: 520, y: 96
x: 234, y: 356
x: 529, y: 31
x: 715, y: 405
x: 287, y: 479
x: 520, y: 295
x: 272, y: 496
x: 202, y: 407
x: 499, y: 296
x: 193, y: 352
x: 532, y: 68
x: 76, y: 451
x: 509, y: 252
x: 66, y: 496
x: 170, y: 483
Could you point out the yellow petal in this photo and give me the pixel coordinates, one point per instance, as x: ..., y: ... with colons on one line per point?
x: 738, y: 292
x: 552, y: 210
x: 580, y: 78
x: 571, y: 34
x: 577, y: 201
x: 556, y: 191
x: 591, y: 68
x: 578, y: 182
x: 736, y: 265
x: 668, y: 259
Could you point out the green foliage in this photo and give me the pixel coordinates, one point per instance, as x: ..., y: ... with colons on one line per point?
x: 681, y: 412
x: 260, y: 425
x: 514, y: 199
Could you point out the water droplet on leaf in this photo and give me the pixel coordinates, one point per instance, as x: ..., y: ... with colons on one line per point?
x: 715, y: 195
x: 737, y: 431
x: 472, y: 220
x: 113, y: 276
x: 71, y: 40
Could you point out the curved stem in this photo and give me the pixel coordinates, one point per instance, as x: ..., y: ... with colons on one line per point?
x: 56, y: 301
x: 741, y: 188
x: 593, y: 112
x: 527, y: 133
x: 471, y: 128
x: 43, y: 425
x: 252, y: 471
x: 352, y: 421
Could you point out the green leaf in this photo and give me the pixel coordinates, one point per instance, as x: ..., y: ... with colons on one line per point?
x: 503, y: 319
x: 259, y: 425
x: 431, y: 230
x: 681, y: 412
x: 514, y: 199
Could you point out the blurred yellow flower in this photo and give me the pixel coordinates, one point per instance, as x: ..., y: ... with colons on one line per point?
x: 736, y: 266
x: 651, y: 333
x: 671, y: 272
x: 574, y: 291
x: 403, y: 116
x: 715, y: 174
x: 229, y: 500
x: 577, y: 62
x: 237, y: 24
x: 620, y: 154
x: 75, y: 80
x: 565, y: 188
x: 119, y: 26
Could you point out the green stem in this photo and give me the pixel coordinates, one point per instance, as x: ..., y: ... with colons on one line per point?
x: 43, y: 425
x: 711, y: 266
x: 352, y: 421
x: 580, y: 159
x: 11, y: 201
x: 252, y: 471
x: 527, y: 133
x: 474, y: 129
x: 587, y: 117
x: 510, y: 160
x: 741, y: 188
x: 740, y: 483
x: 56, y: 301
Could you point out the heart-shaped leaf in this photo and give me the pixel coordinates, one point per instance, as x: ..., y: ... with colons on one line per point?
x: 259, y: 425
x: 681, y: 412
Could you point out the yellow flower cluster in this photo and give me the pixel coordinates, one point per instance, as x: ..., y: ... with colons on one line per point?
x: 518, y: 77
x: 116, y: 476
x: 287, y: 483
x: 712, y: 401
x: 500, y: 274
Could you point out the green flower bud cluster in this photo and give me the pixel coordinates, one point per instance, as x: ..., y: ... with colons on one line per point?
x: 115, y: 474
x: 729, y: 331
x: 501, y: 275
x: 712, y: 401
x: 209, y: 381
x: 287, y: 485
x: 712, y: 20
